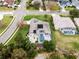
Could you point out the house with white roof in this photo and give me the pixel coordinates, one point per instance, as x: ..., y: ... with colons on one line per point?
x: 39, y: 31
x: 64, y: 25
x: 64, y: 2
x: 75, y: 3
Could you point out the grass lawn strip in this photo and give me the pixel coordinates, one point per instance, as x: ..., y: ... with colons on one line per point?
x: 5, y: 9
x: 6, y: 21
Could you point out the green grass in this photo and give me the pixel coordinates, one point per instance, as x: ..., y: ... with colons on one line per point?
x: 39, y: 17
x: 64, y: 41
x: 70, y: 8
x: 5, y: 22
x: 31, y: 8
x: 55, y: 8
x: 5, y: 9
x: 23, y: 31
x: 75, y: 45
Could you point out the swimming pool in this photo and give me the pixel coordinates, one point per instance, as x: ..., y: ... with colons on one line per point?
x: 41, y: 38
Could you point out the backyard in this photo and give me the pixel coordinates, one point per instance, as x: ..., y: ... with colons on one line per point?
x: 67, y: 42
x: 5, y: 22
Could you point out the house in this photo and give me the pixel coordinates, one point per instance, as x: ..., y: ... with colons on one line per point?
x: 8, y: 3
x: 64, y: 2
x: 40, y: 1
x: 75, y: 3
x: 39, y: 31
x: 64, y: 25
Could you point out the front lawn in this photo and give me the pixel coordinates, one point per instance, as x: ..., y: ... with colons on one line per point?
x: 39, y: 17
x: 5, y: 9
x: 5, y: 22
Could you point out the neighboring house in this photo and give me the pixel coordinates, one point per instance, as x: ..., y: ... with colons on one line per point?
x: 40, y: 1
x: 69, y: 3
x: 64, y: 2
x: 64, y: 25
x: 8, y: 3
x: 75, y: 3
x: 39, y: 31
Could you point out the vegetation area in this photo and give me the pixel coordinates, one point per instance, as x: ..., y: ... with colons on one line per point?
x: 39, y: 17
x: 55, y: 8
x: 3, y: 8
x: 21, y: 32
x: 69, y: 8
x: 5, y: 22
x: 75, y: 45
x: 74, y: 13
x: 65, y: 42
x: 22, y: 49
x: 19, y: 47
x: 52, y: 6
x: 33, y: 6
x: 17, y: 1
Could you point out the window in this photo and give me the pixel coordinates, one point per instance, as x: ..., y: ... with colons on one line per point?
x: 40, y: 26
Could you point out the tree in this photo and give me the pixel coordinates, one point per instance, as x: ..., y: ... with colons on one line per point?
x: 30, y: 49
x: 74, y: 13
x: 19, y: 54
x: 49, y: 45
x: 31, y: 53
x: 55, y: 55
x: 67, y: 56
x: 36, y: 4
x: 44, y: 7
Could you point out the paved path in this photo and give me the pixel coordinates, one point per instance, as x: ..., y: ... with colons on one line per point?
x: 41, y: 56
x: 2, y: 12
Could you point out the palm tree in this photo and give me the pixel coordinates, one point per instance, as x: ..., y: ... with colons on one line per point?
x: 44, y: 7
